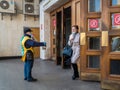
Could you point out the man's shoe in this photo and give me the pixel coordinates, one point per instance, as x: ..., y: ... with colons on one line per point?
x: 32, y: 80
x: 25, y: 78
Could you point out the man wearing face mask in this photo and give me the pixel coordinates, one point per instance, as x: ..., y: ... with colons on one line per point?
x: 27, y: 44
x: 74, y: 41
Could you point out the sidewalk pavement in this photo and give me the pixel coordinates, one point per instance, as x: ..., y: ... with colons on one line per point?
x: 50, y: 77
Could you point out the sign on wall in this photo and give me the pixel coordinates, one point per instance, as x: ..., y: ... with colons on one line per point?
x: 117, y: 19
x: 93, y: 23
x: 54, y: 22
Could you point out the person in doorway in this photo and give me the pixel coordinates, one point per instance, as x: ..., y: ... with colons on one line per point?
x: 27, y: 43
x: 74, y: 41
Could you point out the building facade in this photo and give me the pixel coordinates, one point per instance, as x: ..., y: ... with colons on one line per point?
x: 12, y: 23
x: 99, y: 28
x: 99, y: 25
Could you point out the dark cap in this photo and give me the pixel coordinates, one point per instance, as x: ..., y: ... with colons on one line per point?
x: 26, y: 29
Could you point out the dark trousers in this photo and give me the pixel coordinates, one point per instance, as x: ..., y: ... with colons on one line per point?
x: 28, y: 69
x: 75, y: 69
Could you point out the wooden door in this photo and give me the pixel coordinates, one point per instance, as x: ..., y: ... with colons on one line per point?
x: 66, y: 30
x: 90, y: 39
x: 111, y: 52
x: 53, y: 36
x: 76, y: 14
x: 36, y: 33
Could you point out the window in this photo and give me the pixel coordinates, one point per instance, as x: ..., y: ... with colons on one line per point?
x: 53, y: 41
x: 115, y: 21
x: 54, y: 51
x: 94, y: 43
x: 115, y: 67
x: 94, y: 5
x: 115, y: 2
x: 94, y: 62
x: 94, y: 24
x: 115, y: 44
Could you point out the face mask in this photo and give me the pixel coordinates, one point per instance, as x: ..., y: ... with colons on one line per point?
x: 32, y: 36
x: 73, y: 32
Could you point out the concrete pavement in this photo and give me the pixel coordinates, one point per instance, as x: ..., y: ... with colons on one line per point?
x: 50, y: 77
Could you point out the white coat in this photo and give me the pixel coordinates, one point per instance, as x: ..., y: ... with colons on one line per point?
x: 75, y: 43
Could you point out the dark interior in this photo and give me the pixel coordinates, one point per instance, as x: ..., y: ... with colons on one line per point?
x: 65, y: 34
x: 59, y: 37
x: 115, y: 67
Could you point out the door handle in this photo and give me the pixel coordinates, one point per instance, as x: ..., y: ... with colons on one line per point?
x: 82, y: 38
x: 104, y: 38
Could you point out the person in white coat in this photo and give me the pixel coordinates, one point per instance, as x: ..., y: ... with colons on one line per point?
x: 74, y: 41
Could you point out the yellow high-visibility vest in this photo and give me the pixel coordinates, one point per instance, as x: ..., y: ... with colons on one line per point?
x: 25, y: 49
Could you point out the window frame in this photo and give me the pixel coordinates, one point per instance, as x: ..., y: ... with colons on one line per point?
x: 113, y: 6
x: 112, y: 76
x: 88, y: 62
x: 94, y: 11
x: 88, y: 44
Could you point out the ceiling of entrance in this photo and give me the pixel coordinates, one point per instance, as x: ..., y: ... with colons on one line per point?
x: 54, y: 4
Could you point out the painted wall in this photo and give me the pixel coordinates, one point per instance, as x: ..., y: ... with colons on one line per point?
x: 12, y: 31
x: 45, y: 31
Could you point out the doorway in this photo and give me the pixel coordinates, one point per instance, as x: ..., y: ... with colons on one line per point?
x: 63, y: 30
x: 67, y: 24
x: 66, y: 33
x: 59, y: 38
x: 60, y: 31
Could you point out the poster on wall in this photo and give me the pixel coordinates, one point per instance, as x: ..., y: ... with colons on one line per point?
x: 54, y: 22
x: 93, y: 23
x: 117, y: 19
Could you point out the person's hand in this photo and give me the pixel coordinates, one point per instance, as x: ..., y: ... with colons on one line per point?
x: 71, y: 37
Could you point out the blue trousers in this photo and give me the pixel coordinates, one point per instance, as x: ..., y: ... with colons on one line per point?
x: 28, y: 69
